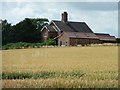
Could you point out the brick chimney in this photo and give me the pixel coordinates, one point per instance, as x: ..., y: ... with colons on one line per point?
x: 64, y: 17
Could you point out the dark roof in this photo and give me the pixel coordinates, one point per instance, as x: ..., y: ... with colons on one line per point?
x: 73, y: 26
x: 105, y: 37
x: 102, y: 34
x: 80, y: 26
x: 63, y: 26
x: 50, y: 28
x: 81, y: 35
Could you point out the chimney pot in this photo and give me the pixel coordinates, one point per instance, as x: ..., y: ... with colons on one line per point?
x: 64, y: 17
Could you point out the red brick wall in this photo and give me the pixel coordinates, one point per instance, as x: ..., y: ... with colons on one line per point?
x: 82, y: 41
x: 44, y: 35
x: 63, y: 40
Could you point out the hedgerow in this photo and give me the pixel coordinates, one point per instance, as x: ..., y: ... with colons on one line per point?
x: 20, y: 45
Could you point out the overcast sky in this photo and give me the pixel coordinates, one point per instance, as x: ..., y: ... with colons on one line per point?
x: 100, y: 16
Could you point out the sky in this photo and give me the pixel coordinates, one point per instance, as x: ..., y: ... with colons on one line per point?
x: 101, y: 17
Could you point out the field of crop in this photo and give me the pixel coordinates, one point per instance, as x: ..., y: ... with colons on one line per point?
x: 76, y: 67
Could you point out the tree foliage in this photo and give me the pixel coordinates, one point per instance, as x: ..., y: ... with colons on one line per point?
x: 118, y: 40
x: 7, y: 32
x: 27, y: 30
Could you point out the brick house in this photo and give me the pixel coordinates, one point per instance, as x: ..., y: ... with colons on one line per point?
x: 73, y: 33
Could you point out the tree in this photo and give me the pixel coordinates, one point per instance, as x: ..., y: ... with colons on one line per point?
x: 24, y: 31
x: 28, y: 30
x: 6, y: 32
x: 118, y: 40
x: 39, y: 23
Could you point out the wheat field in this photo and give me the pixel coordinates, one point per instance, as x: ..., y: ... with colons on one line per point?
x: 61, y: 67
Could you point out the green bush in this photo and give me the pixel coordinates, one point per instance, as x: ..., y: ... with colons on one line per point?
x: 20, y: 45
x: 50, y: 42
x: 9, y: 46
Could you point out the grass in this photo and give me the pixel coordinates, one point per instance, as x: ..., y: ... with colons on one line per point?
x: 77, y: 67
x: 43, y: 74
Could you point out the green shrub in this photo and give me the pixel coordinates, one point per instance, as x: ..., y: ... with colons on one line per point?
x: 20, y: 45
x: 50, y: 42
x: 9, y: 46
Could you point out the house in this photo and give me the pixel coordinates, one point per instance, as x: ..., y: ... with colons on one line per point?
x: 70, y: 33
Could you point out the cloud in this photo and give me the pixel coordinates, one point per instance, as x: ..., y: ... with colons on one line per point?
x: 101, y: 17
x: 106, y: 6
x: 1, y: 11
x: 59, y: 0
x: 15, y: 14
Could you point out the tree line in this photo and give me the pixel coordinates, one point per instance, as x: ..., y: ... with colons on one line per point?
x: 27, y: 30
